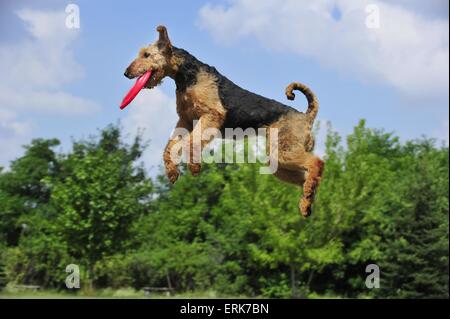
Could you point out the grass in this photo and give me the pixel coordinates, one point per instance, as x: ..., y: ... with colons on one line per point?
x: 108, y: 293
x: 12, y: 293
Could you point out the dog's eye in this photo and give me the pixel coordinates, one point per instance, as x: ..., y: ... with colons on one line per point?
x: 146, y: 54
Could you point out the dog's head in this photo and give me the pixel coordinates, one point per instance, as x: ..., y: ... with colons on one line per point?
x: 156, y: 57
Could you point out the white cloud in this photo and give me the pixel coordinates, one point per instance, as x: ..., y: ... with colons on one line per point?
x: 155, y: 112
x: 35, y: 71
x: 13, y: 134
x: 429, y: 8
x: 408, y: 52
x: 58, y: 102
x: 46, y: 24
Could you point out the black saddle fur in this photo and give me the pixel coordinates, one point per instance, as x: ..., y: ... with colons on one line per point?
x: 245, y: 109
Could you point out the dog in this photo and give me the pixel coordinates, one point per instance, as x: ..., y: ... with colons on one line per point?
x: 206, y: 96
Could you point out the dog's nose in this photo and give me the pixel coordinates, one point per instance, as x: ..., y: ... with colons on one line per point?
x: 127, y: 74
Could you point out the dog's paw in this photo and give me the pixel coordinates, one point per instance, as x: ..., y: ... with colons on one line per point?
x: 173, y: 176
x: 305, y: 207
x: 194, y: 168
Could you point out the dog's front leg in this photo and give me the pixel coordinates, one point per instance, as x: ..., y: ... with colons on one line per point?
x: 206, y: 129
x: 171, y: 159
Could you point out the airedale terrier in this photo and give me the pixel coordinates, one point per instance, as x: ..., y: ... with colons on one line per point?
x: 203, y: 94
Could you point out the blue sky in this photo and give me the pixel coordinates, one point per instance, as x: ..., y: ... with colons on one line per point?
x: 64, y: 83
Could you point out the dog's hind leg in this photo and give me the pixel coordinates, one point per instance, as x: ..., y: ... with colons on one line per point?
x: 314, y: 169
x: 303, y: 169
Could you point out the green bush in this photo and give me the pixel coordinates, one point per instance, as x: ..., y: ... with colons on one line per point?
x: 230, y: 231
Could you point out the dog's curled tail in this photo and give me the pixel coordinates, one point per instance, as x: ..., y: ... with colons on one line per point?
x: 313, y: 103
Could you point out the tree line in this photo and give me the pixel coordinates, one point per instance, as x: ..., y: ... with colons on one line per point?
x: 231, y: 229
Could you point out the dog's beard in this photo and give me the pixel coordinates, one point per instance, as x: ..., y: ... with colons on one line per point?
x: 155, y: 79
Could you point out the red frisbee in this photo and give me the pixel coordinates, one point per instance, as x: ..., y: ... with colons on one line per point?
x: 140, y: 83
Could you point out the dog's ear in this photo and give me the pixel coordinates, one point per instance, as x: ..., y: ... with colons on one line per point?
x: 164, y: 42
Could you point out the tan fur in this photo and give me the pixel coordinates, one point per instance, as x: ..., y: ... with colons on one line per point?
x: 157, y: 57
x: 201, y: 102
x: 290, y: 176
x: 313, y: 104
x: 296, y: 165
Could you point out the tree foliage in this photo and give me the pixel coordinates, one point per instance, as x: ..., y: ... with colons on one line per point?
x: 231, y: 229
